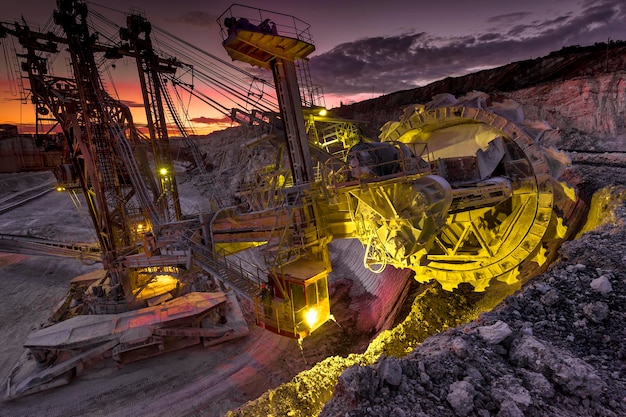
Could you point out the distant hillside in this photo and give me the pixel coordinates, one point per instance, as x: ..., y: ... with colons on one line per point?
x: 557, y: 67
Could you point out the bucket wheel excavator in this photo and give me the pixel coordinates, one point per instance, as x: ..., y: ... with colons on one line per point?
x: 460, y: 191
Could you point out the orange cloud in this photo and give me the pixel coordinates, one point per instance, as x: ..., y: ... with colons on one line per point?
x: 212, y: 120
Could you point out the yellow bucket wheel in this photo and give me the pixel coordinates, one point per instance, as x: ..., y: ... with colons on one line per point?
x: 479, y: 244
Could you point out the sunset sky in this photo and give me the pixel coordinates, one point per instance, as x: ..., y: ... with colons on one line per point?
x: 363, y: 48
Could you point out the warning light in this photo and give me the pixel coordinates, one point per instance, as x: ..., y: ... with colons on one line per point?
x: 311, y: 317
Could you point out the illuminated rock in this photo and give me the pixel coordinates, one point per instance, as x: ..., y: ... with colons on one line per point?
x: 602, y: 285
x: 495, y: 333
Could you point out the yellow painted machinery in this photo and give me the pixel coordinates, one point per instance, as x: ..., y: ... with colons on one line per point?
x: 458, y: 190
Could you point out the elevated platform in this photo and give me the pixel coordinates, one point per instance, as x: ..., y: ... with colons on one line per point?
x: 259, y: 36
x: 304, y: 270
x: 30, y: 245
x: 247, y: 227
x: 260, y: 48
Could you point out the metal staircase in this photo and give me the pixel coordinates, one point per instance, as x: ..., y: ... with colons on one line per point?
x: 228, y: 271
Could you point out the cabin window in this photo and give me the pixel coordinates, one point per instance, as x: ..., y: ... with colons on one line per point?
x: 311, y: 294
x: 322, y: 289
x: 297, y: 295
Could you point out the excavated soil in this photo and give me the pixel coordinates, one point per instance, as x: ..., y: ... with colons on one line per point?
x: 556, y: 348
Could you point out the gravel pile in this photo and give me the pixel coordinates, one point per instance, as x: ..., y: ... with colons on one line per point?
x: 556, y: 348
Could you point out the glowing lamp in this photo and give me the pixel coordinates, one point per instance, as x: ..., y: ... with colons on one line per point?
x: 311, y: 317
x: 323, y: 112
x: 163, y: 171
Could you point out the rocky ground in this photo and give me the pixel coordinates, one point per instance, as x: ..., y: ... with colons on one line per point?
x: 556, y: 348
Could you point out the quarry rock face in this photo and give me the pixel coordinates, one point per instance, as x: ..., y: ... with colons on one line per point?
x: 595, y: 105
x: 581, y: 92
x: 373, y: 296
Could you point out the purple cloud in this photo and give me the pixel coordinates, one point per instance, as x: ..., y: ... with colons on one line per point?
x: 195, y: 18
x: 388, y: 64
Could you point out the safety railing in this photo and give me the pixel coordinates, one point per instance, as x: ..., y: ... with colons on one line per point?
x: 264, y: 20
x: 360, y: 167
x: 243, y: 275
x: 277, y: 316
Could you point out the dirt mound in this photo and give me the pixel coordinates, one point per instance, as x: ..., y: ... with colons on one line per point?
x: 555, y: 348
